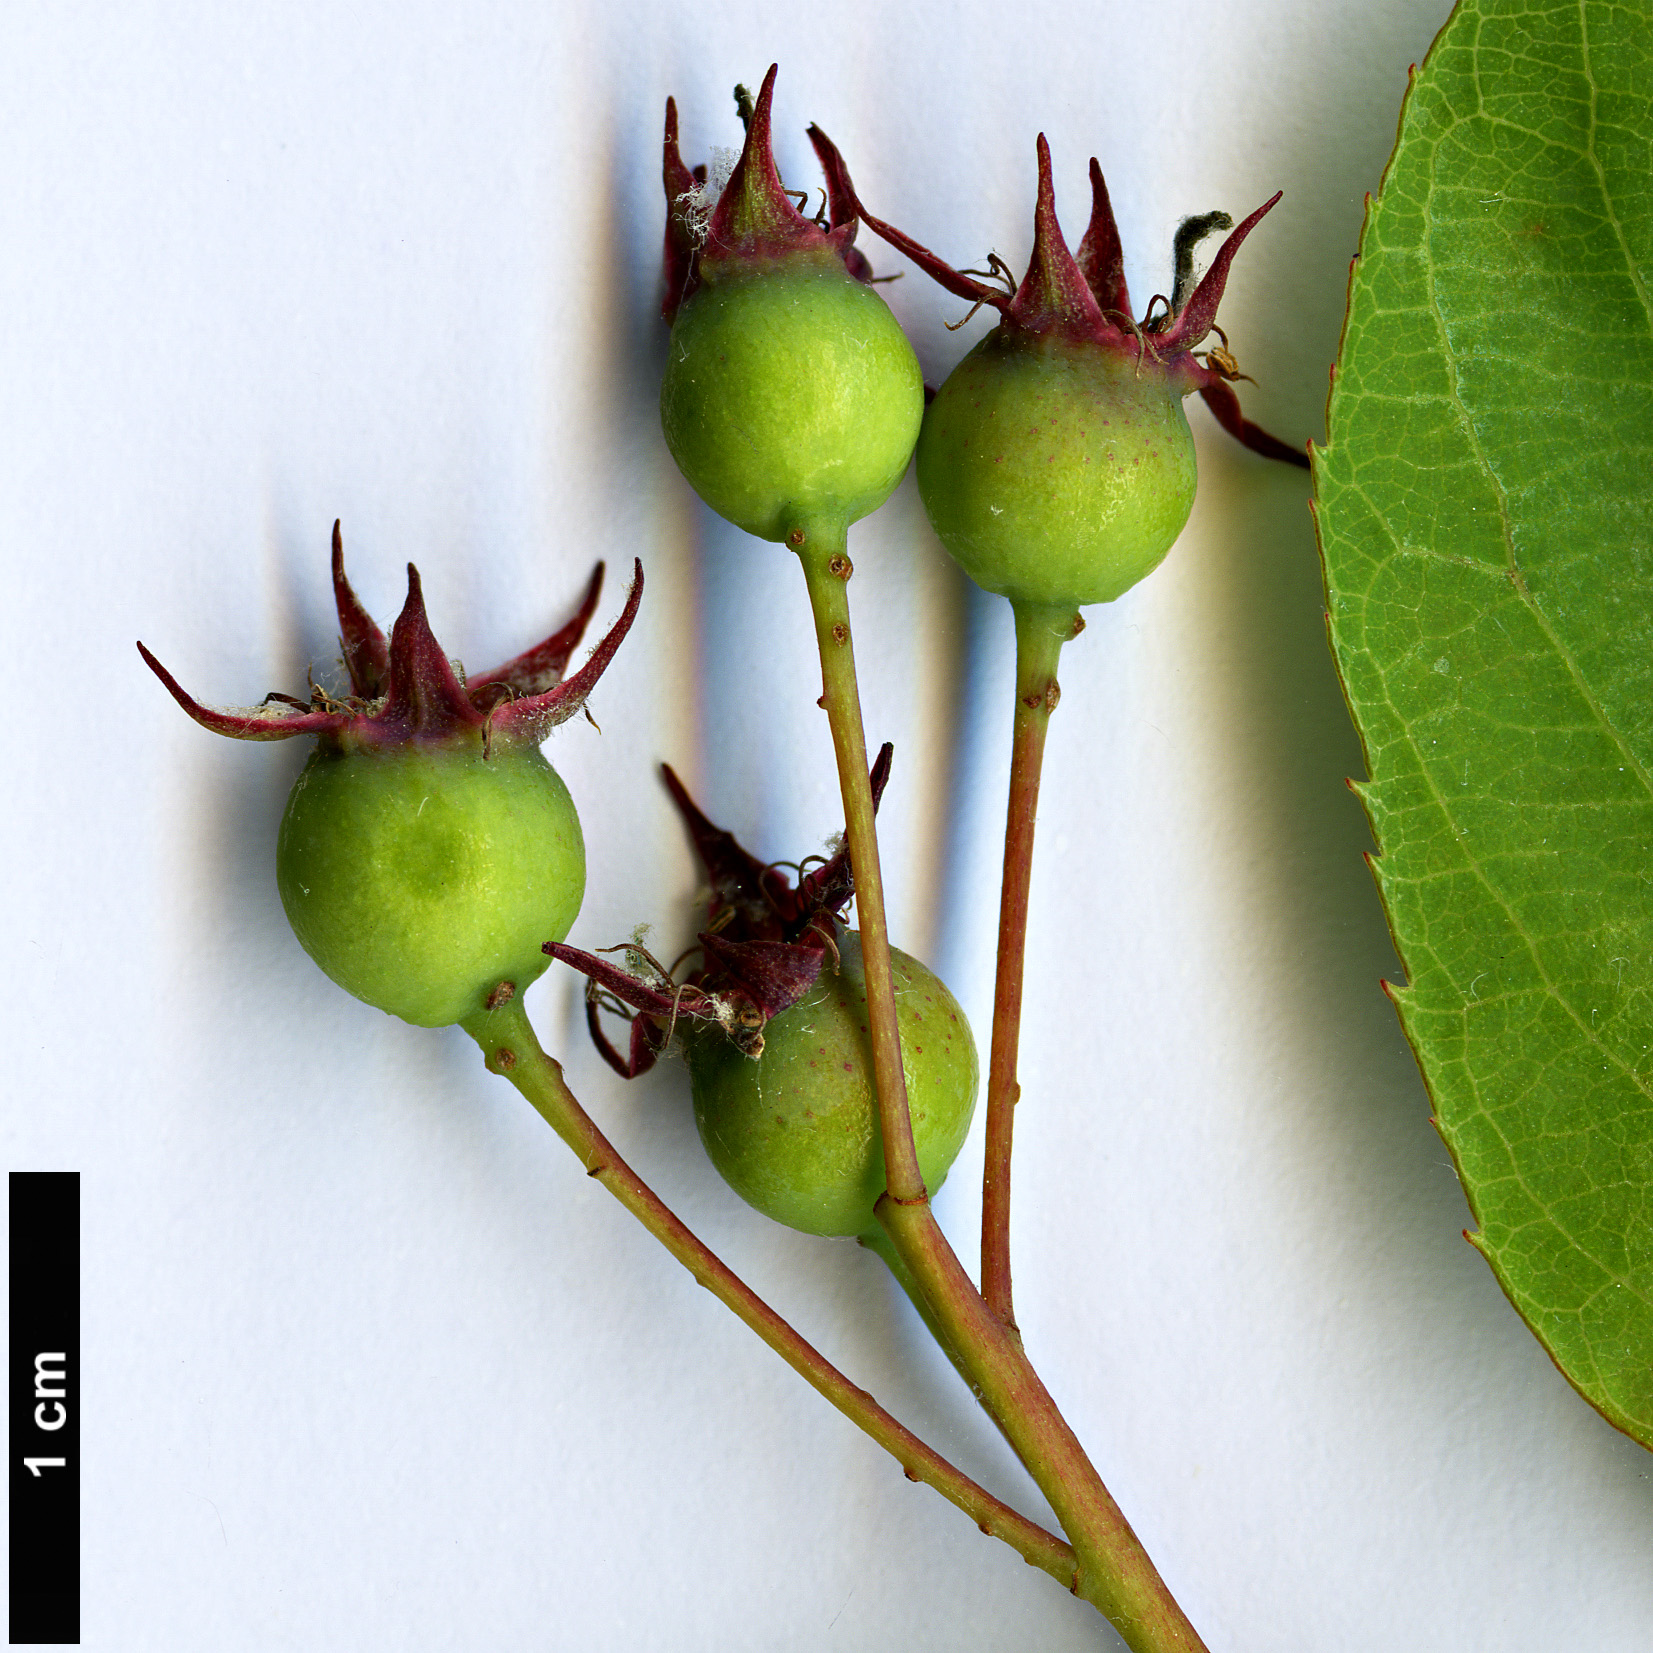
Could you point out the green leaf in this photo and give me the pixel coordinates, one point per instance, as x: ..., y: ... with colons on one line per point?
x: 1485, y: 502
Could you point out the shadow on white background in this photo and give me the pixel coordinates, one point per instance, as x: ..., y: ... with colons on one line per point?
x: 369, y: 1361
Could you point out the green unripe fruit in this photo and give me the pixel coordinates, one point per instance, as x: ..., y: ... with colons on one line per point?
x: 791, y: 394
x: 420, y: 876
x: 1056, y: 473
x: 795, y: 1133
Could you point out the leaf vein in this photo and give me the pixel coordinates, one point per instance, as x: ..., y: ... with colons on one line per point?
x: 1600, y: 171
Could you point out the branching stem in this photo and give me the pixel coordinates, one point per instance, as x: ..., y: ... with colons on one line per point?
x: 511, y: 1049
x: 1114, y: 1572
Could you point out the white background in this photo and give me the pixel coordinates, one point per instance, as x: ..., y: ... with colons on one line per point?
x: 369, y: 1363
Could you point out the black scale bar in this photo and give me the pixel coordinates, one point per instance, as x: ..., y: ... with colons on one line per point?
x: 44, y: 1374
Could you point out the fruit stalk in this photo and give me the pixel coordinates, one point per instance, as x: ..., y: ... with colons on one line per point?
x: 1113, y: 1571
x: 827, y: 570
x: 1040, y: 633
x: 511, y: 1049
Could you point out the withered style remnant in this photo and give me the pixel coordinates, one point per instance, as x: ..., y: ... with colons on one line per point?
x: 763, y: 946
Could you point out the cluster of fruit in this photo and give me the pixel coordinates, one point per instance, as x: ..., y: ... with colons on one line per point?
x: 431, y: 861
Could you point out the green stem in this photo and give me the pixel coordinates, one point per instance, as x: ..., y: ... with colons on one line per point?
x: 510, y: 1048
x: 879, y: 1243
x: 1114, y: 1572
x: 827, y: 570
x: 1040, y: 634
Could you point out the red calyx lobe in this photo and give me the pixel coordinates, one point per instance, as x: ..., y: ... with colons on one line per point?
x: 407, y: 690
x: 754, y: 220
x: 1084, y: 300
x: 762, y: 949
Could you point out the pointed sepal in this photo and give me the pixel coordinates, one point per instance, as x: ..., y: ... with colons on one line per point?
x: 277, y: 719
x: 758, y: 898
x: 644, y: 1047
x: 830, y: 887
x: 540, y: 668
x: 408, y: 689
x: 764, y: 946
x: 632, y: 990
x: 773, y: 974
x: 366, y: 654
x: 1083, y: 299
x: 534, y: 716
x: 1225, y: 407
x: 424, y: 700
x: 1197, y: 317
x: 936, y: 268
x: 1053, y: 296
x: 754, y: 216
x: 1101, y: 258
x: 841, y: 210
x: 682, y: 237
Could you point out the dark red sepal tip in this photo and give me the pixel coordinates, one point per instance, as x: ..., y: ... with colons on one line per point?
x: 1225, y: 406
x: 635, y: 992
x: 840, y: 206
x: 1100, y: 257
x: 540, y: 668
x: 1195, y: 319
x: 645, y: 1045
x: 278, y: 725
x: 534, y: 716
x: 774, y: 974
x: 938, y: 269
x: 1053, y: 296
x: 366, y: 654
x: 762, y: 900
x: 1083, y: 297
x: 408, y: 690
x: 425, y: 700
x: 754, y: 216
x: 681, y: 243
x: 763, y: 949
